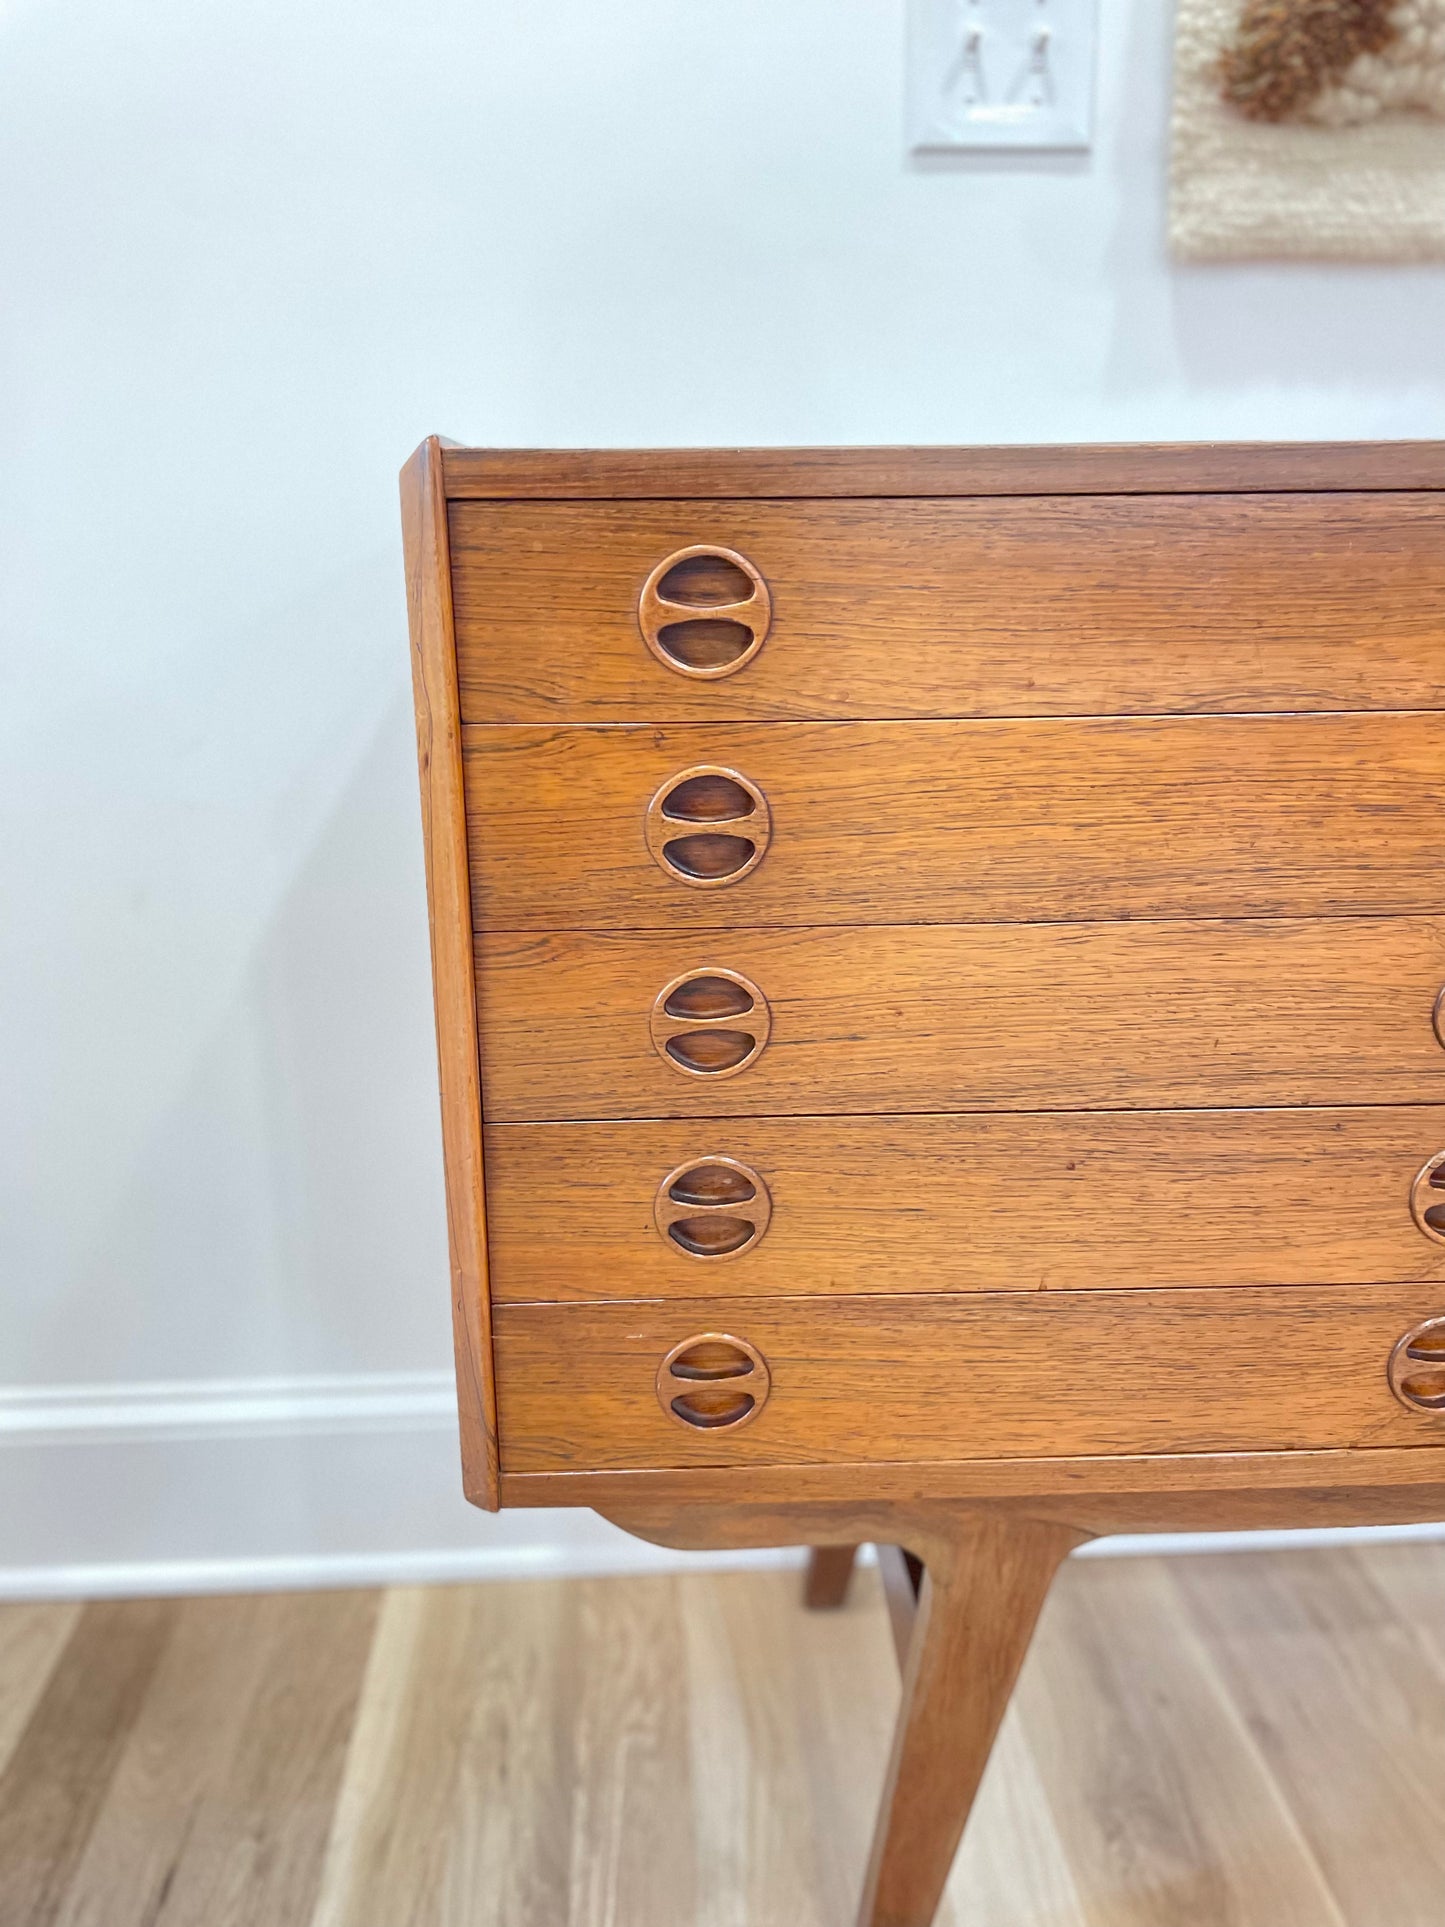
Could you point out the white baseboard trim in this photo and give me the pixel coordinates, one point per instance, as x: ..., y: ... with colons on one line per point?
x: 442, y: 1566
x: 230, y: 1485
x: 1167, y: 1544
x: 437, y: 1566
x: 227, y: 1407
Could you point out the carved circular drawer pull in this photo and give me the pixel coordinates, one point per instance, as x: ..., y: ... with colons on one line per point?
x: 1427, y: 1199
x: 705, y: 612
x: 1437, y: 1018
x: 712, y: 1208
x: 713, y: 1382
x: 1417, y: 1368
x: 710, y: 1023
x: 708, y: 826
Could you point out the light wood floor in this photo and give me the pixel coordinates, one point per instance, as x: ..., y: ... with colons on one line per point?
x: 1231, y: 1741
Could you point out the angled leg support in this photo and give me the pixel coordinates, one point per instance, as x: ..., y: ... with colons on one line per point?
x: 981, y: 1595
x: 829, y: 1570
x: 986, y: 1573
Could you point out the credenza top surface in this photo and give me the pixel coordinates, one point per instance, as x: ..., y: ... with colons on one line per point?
x: 1089, y: 469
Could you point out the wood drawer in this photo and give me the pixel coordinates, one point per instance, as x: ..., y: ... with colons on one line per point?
x: 1082, y: 1201
x: 1023, y: 606
x: 958, y: 821
x: 1055, y: 1375
x: 1004, y: 1017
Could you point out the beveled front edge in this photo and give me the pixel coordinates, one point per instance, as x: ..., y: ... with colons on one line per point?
x: 1329, y: 1476
x: 494, y: 474
x: 439, y: 759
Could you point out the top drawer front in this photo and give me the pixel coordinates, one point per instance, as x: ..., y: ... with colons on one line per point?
x: 1006, y: 821
x: 1005, y: 606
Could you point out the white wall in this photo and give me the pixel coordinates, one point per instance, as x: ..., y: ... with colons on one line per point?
x: 252, y: 253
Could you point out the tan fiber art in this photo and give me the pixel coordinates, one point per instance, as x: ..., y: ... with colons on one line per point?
x: 1309, y: 128
x: 1337, y: 62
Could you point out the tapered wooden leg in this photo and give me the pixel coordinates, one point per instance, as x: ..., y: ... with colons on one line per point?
x: 829, y: 1570
x: 902, y: 1576
x: 981, y: 1595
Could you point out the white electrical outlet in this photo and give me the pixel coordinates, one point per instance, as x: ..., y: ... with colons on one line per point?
x: 1000, y: 73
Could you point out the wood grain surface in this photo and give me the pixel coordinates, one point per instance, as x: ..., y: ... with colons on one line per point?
x: 994, y: 1376
x: 444, y: 842
x: 1006, y: 607
x: 974, y: 1203
x: 64, y: 1755
x: 976, y: 1616
x: 948, y: 822
x: 1246, y: 1738
x: 1159, y: 1492
x: 1325, y: 1685
x: 1102, y: 468
x: 1004, y: 751
x: 1145, y: 1751
x: 1005, y: 1017
x: 179, y: 1760
x: 32, y: 1639
x: 931, y: 1530
x: 225, y: 1776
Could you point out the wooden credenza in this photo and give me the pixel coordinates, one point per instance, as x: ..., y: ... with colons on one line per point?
x: 938, y: 959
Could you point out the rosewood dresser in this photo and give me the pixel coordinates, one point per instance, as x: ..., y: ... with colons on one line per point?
x: 938, y: 962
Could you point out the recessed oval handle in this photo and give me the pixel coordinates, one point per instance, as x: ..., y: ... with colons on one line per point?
x: 713, y: 1381
x: 712, y: 1208
x: 1437, y: 1018
x: 710, y: 1023
x: 1427, y: 1198
x: 710, y: 996
x: 704, y: 612
x: 708, y: 827
x: 1417, y: 1368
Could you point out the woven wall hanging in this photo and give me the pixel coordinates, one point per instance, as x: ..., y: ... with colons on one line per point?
x: 1309, y: 128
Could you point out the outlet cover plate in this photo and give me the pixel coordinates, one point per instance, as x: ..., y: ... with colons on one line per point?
x: 1000, y: 74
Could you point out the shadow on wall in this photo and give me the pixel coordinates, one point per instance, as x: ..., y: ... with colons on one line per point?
x: 286, y: 1215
